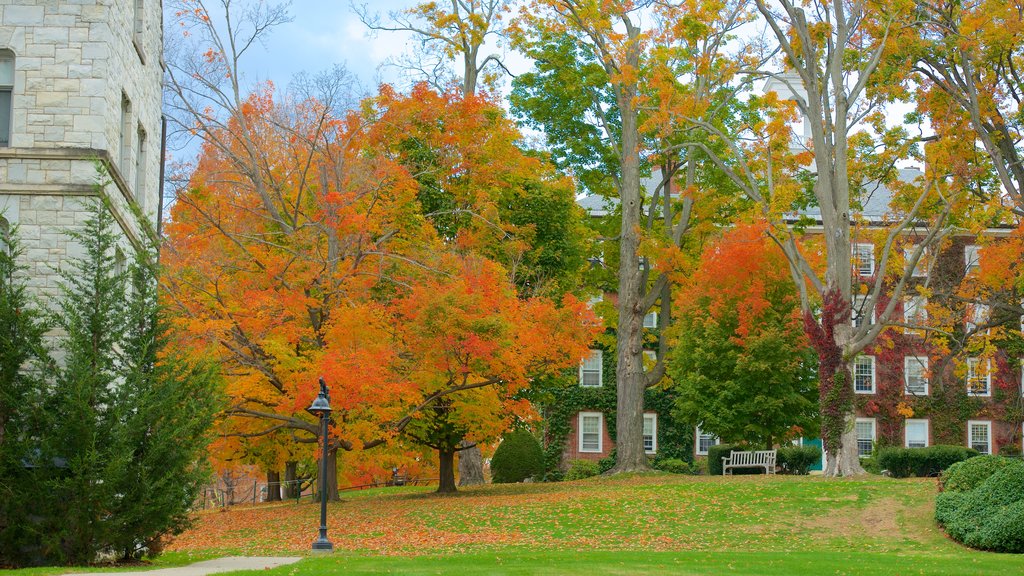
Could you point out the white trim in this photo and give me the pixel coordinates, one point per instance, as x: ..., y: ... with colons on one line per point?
x: 919, y: 304
x: 654, y: 427
x: 600, y: 431
x: 654, y: 320
x: 600, y: 368
x: 906, y: 430
x: 921, y: 270
x: 696, y: 441
x: 874, y: 436
x: 874, y: 374
x: 988, y: 425
x: 857, y: 306
x: 972, y: 369
x: 978, y: 314
x: 918, y: 361
x: 864, y: 249
x: 971, y: 264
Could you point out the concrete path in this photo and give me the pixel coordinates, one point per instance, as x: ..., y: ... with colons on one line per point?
x: 228, y: 564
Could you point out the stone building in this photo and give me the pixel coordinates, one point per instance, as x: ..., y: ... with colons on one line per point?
x: 80, y: 94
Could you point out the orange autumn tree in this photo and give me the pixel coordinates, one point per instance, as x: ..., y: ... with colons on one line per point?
x: 468, y: 336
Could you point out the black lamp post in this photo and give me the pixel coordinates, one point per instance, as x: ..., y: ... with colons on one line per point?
x: 321, y: 408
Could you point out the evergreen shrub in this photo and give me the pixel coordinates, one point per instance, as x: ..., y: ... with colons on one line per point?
x: 797, y: 459
x: 580, y: 469
x: 715, y: 455
x: 922, y: 462
x: 969, y: 474
x: 674, y: 465
x: 518, y: 457
x: 989, y: 517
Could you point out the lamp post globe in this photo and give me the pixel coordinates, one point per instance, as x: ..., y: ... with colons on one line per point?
x: 321, y: 408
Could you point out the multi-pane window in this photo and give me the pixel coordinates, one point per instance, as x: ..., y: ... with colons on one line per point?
x: 979, y: 435
x: 977, y: 316
x: 6, y: 96
x: 650, y: 433
x: 921, y: 269
x: 916, y: 433
x: 864, y: 375
x: 864, y: 259
x: 590, y: 370
x: 972, y: 257
x: 861, y: 312
x: 979, y: 377
x: 865, y: 436
x: 705, y: 441
x: 651, y: 320
x: 915, y: 312
x: 915, y: 375
x: 590, y: 431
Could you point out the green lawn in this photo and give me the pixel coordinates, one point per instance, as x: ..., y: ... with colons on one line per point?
x: 649, y: 524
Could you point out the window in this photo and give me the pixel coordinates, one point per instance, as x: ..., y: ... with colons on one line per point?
x: 5, y: 235
x: 590, y: 431
x: 864, y: 375
x: 979, y: 435
x: 651, y: 320
x: 865, y: 436
x: 977, y: 316
x: 650, y: 357
x: 915, y: 375
x: 594, y: 301
x: 862, y: 311
x: 140, y: 167
x: 916, y: 433
x: 972, y: 257
x: 126, y: 127
x: 915, y: 313
x: 922, y: 267
x: 650, y: 433
x: 864, y: 259
x: 704, y: 441
x: 590, y: 370
x: 979, y: 377
x: 6, y: 96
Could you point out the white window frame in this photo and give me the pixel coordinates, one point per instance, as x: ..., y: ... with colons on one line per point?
x: 972, y: 369
x: 600, y: 432
x: 874, y: 374
x: 600, y: 368
x: 919, y: 271
x: 970, y: 436
x: 919, y: 305
x: 972, y: 257
x: 916, y: 421
x: 653, y: 419
x: 860, y: 250
x: 916, y: 361
x: 7, y: 62
x: 858, y: 305
x: 653, y: 323
x: 874, y: 435
x: 977, y: 315
x: 696, y: 441
x: 650, y: 356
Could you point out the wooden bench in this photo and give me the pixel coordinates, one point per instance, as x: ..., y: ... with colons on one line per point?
x: 757, y: 459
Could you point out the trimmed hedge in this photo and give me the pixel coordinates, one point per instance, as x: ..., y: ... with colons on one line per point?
x: 969, y: 474
x: 715, y: 455
x: 798, y: 459
x: 922, y: 462
x: 518, y: 457
x: 989, y: 517
x: 673, y: 465
x: 580, y: 469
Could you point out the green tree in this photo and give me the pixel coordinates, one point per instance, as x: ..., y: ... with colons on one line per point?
x: 742, y: 365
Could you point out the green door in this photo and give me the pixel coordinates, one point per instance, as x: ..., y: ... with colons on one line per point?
x: 815, y: 442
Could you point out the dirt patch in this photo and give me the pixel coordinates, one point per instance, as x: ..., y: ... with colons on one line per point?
x: 875, y: 518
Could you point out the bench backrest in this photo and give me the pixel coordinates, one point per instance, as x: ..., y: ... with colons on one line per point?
x: 756, y: 458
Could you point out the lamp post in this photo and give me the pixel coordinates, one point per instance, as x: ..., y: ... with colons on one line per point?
x: 321, y: 408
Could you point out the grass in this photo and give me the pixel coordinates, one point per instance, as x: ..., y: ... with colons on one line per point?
x: 647, y: 524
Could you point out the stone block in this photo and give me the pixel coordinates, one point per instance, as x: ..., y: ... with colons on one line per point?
x: 23, y: 15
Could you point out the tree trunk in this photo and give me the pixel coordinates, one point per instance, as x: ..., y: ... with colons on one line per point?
x: 845, y: 461
x: 332, y: 475
x: 446, y: 472
x: 273, y: 486
x: 291, y: 486
x: 471, y: 465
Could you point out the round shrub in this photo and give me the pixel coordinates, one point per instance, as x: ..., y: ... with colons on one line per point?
x: 518, y: 457
x: 969, y: 474
x: 580, y: 469
x: 673, y: 465
x: 715, y: 455
x: 989, y: 517
x: 798, y: 459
